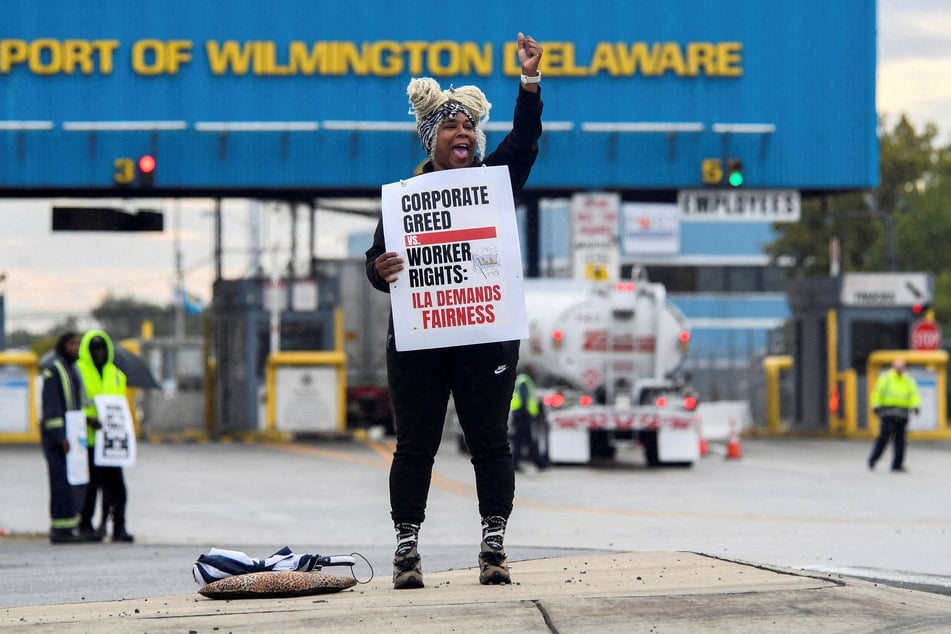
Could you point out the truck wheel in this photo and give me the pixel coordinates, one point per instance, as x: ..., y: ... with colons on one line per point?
x: 540, y: 439
x: 601, y: 446
x: 389, y: 425
x: 651, y: 453
x: 649, y: 440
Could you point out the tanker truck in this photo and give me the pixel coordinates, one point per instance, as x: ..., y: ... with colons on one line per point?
x: 608, y: 358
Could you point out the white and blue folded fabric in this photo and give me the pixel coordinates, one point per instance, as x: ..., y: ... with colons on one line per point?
x: 219, y: 563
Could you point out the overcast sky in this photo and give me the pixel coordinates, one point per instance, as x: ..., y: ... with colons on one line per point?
x: 51, y: 275
x: 914, y: 61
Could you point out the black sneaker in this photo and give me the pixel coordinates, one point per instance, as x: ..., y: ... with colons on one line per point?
x: 65, y: 536
x: 122, y: 537
x: 493, y: 566
x: 407, y: 572
x: 90, y: 535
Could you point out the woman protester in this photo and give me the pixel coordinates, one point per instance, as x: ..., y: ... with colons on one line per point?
x: 479, y: 377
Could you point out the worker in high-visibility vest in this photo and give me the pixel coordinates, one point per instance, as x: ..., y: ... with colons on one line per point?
x: 61, y: 389
x: 895, y: 397
x: 100, y: 375
x: 525, y: 410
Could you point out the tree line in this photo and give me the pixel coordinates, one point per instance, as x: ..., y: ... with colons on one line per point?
x: 121, y: 317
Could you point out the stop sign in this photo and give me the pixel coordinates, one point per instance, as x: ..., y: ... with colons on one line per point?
x: 925, y: 335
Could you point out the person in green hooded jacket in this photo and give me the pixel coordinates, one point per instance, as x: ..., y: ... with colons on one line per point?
x: 100, y: 375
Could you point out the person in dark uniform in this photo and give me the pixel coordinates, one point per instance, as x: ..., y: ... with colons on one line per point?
x: 61, y: 394
x: 479, y: 377
x: 526, y: 409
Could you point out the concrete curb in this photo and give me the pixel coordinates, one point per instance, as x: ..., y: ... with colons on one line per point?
x: 629, y: 592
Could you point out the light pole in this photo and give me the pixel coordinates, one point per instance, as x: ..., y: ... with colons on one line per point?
x: 887, y: 219
x: 3, y: 313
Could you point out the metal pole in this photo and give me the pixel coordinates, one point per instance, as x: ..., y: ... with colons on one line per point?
x: 291, y: 270
x: 3, y: 311
x: 275, y: 306
x: 255, y: 265
x: 531, y: 235
x: 179, y: 274
x: 890, y: 240
x: 217, y: 239
x: 312, y: 240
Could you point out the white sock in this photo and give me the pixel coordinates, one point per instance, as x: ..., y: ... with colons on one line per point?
x: 493, y: 531
x: 407, y: 534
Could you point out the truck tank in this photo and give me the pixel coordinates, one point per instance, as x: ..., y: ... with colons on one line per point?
x: 602, y: 338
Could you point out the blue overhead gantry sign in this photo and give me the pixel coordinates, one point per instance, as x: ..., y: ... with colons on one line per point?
x: 309, y: 97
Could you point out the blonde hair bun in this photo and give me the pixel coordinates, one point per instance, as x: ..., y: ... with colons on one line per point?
x: 425, y: 96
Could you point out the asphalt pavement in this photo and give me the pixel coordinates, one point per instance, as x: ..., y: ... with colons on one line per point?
x: 602, y: 548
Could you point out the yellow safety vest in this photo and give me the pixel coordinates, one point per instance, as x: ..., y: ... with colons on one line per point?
x: 111, y: 381
x: 532, y: 402
x: 896, y: 390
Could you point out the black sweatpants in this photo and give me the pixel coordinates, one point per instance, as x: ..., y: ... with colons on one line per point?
x: 890, y: 427
x: 114, y: 495
x: 480, y: 378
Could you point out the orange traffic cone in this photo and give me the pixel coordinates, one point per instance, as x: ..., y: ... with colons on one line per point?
x: 733, y: 450
x: 703, y: 446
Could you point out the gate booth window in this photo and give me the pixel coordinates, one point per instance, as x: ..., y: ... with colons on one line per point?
x: 243, y: 329
x: 868, y: 336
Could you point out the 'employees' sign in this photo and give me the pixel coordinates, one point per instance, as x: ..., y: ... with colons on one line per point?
x: 734, y: 205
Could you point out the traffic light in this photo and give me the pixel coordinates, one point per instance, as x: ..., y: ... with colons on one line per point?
x: 146, y: 167
x: 922, y: 311
x: 734, y: 172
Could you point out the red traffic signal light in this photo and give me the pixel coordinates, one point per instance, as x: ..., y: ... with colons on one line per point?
x: 147, y: 165
x: 923, y: 310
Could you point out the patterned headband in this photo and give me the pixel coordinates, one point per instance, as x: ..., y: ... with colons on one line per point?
x: 428, y: 126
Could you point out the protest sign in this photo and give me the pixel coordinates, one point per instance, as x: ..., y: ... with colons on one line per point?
x: 462, y: 279
x: 77, y: 458
x: 115, y: 440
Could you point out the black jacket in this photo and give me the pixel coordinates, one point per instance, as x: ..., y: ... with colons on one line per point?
x: 61, y: 393
x: 517, y: 150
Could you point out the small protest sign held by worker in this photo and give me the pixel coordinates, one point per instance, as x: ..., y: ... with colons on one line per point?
x: 115, y: 441
x: 77, y: 458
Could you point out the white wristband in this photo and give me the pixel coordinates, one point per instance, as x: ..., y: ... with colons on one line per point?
x: 532, y: 80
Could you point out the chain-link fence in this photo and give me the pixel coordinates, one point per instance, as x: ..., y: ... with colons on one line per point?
x: 736, y: 373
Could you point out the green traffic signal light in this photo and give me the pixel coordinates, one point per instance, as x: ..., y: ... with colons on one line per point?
x: 734, y: 172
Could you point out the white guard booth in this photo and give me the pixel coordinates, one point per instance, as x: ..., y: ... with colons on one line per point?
x: 306, y: 392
